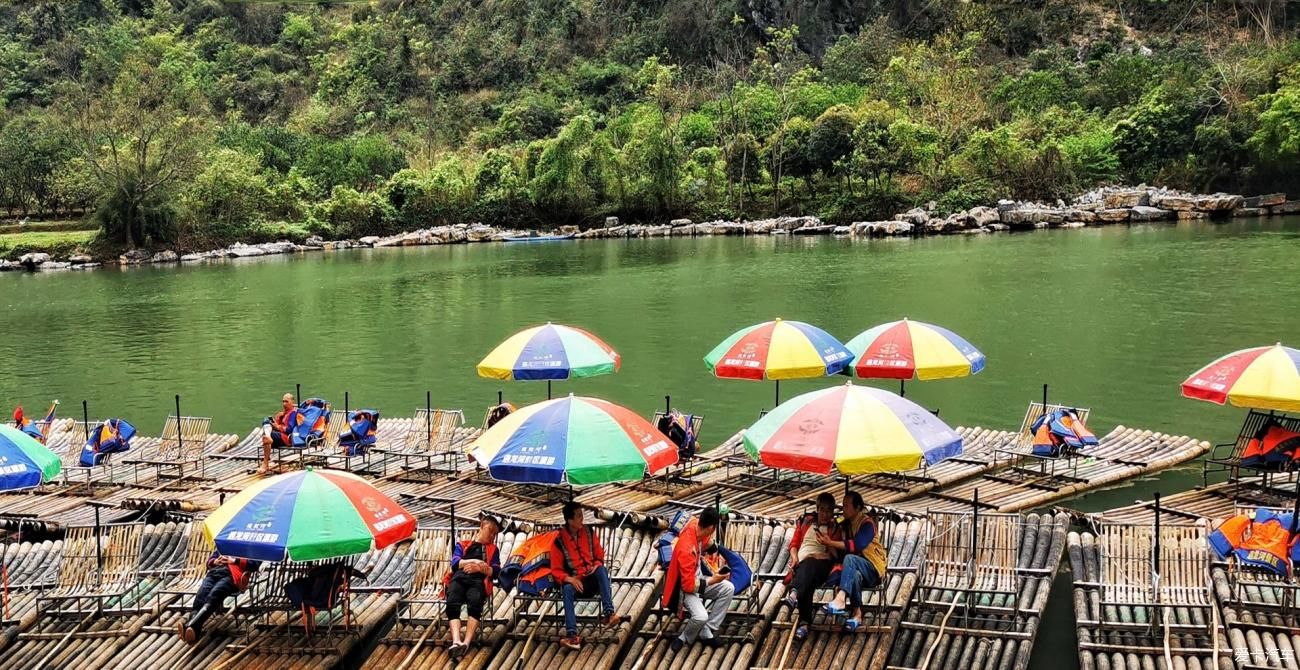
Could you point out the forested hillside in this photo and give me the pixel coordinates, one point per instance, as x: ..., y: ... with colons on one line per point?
x: 198, y: 122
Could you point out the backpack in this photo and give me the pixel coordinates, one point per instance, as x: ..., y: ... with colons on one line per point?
x: 529, y: 566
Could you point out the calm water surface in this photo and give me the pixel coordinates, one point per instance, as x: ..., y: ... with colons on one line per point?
x: 1113, y: 318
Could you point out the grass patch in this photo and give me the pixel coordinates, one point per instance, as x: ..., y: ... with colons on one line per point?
x: 10, y: 227
x: 59, y: 243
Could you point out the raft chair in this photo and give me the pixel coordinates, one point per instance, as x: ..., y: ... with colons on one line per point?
x: 181, y: 447
x: 1027, y: 467
x: 1228, y: 457
x: 98, y: 573
x: 1259, y: 589
x: 312, y: 451
x: 971, y: 563
x: 179, y: 592
x: 1158, y: 572
x: 549, y: 608
x: 684, y: 457
x: 434, y: 433
x: 269, y: 607
x: 106, y: 473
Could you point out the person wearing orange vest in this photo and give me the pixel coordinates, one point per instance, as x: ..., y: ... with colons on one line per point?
x: 226, y: 577
x: 578, y: 566
x: 275, y: 431
x: 474, y: 564
x: 686, y: 581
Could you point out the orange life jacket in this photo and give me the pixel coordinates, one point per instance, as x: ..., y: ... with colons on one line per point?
x: 1261, y: 539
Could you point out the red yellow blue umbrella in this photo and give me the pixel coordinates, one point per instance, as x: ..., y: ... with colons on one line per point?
x: 778, y: 350
x: 851, y: 429
x: 1259, y: 378
x: 912, y: 350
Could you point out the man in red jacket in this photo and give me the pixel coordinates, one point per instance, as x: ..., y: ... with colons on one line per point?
x: 226, y: 577
x: 578, y: 565
x: 686, y: 579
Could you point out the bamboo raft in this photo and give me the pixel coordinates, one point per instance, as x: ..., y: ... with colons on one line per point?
x: 418, y: 462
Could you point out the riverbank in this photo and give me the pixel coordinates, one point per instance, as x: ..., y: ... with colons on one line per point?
x: 1099, y: 207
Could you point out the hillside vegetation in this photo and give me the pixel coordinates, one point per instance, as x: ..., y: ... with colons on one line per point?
x: 198, y: 122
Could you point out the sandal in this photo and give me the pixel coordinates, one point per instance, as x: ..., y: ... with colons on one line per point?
x: 832, y: 610
x: 851, y: 625
x: 801, y: 633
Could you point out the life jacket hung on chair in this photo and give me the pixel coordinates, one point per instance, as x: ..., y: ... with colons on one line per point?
x: 110, y: 437
x: 1259, y: 539
x: 360, y: 435
x: 529, y: 566
x: 1272, y: 448
x: 306, y: 423
x: 677, y: 427
x: 1059, y: 432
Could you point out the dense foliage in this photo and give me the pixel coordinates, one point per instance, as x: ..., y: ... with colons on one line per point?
x: 202, y: 122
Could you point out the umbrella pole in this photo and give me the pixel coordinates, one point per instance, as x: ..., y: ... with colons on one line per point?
x: 499, y: 400
x: 668, y: 405
x: 778, y: 394
x: 1155, y: 553
x: 428, y: 420
x: 1044, y: 398
x: 902, y: 388
x: 297, y: 393
x: 85, y: 421
x: 180, y: 439
x: 548, y: 389
x: 347, y: 401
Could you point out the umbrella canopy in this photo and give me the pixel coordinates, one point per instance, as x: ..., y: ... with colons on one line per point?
x: 25, y: 462
x: 778, y: 350
x: 549, y: 352
x: 576, y: 440
x: 307, y: 515
x: 1259, y: 378
x: 855, y: 429
x: 912, y: 350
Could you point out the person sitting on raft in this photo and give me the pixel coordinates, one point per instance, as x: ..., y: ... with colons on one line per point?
x: 813, y: 550
x: 578, y: 566
x: 275, y: 431
x: 474, y: 565
x: 226, y: 577
x: 864, y: 560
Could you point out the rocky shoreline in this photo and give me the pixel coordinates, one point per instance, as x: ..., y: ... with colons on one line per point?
x: 1104, y: 206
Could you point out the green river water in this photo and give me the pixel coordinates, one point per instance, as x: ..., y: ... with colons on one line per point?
x: 1112, y: 318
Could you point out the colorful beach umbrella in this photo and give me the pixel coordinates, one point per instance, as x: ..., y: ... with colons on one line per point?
x: 307, y: 515
x: 24, y: 462
x: 853, y: 429
x: 549, y: 352
x: 1258, y: 378
x: 912, y: 350
x: 778, y: 350
x: 574, y: 440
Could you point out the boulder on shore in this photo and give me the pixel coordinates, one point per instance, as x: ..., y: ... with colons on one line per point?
x: 1267, y: 200
x: 134, y: 257
x: 30, y: 261
x: 1219, y: 202
x: 1244, y: 212
x: 1145, y: 213
x: 1113, y: 215
x: 1130, y: 198
x: 1288, y: 207
x: 164, y: 256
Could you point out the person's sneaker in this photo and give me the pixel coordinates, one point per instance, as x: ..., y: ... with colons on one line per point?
x: 677, y: 644
x: 571, y: 642
x: 613, y: 619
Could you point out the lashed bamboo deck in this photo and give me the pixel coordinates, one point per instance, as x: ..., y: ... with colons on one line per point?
x: 139, y: 629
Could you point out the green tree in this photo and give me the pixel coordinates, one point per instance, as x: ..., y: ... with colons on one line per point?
x: 142, y: 136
